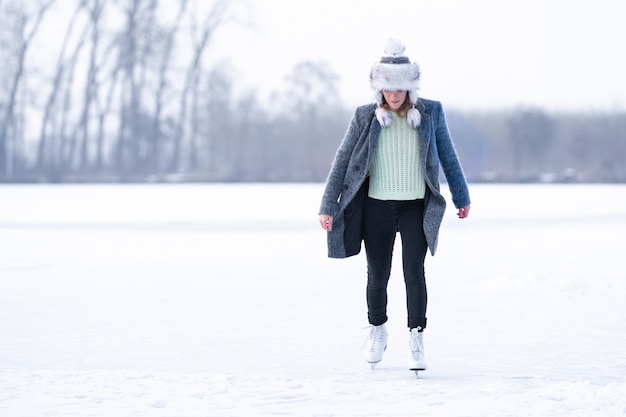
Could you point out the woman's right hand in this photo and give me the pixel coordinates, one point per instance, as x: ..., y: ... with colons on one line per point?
x: 326, y: 222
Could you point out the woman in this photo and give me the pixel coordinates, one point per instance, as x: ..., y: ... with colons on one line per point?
x: 385, y: 180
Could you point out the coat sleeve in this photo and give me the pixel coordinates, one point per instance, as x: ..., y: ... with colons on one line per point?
x: 450, y: 164
x: 337, y: 173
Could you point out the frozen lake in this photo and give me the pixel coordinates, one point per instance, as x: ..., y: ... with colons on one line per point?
x: 218, y: 300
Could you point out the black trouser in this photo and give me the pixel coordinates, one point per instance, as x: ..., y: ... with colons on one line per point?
x: 382, y: 220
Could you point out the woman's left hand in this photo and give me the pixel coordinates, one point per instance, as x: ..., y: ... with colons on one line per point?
x: 326, y: 222
x: 463, y: 212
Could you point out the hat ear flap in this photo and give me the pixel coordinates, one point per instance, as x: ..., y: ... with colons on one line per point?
x: 383, y: 116
x: 413, y: 117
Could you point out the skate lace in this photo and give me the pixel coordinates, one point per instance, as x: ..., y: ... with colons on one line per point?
x: 375, y: 338
x: 415, y: 346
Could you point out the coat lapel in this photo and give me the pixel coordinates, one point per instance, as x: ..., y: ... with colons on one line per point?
x: 424, y: 133
x: 374, y: 133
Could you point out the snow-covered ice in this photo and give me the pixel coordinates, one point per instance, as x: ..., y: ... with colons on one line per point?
x: 218, y: 300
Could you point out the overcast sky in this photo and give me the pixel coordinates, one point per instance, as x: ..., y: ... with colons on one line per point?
x: 478, y: 54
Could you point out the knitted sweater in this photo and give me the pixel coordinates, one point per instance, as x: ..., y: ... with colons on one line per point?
x: 396, y: 173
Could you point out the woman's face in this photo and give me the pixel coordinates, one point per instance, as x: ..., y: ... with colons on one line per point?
x: 394, y: 99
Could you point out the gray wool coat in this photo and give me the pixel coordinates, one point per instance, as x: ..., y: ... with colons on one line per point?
x: 346, y: 185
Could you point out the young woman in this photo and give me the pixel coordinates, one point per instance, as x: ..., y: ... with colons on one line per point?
x: 385, y: 180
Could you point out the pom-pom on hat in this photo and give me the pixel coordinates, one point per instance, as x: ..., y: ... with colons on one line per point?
x: 395, y: 72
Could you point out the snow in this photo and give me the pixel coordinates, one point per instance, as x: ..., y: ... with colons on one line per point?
x: 218, y: 300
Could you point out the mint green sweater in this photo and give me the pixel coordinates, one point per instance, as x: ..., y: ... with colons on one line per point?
x: 396, y: 172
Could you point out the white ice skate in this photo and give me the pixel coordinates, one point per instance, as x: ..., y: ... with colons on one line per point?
x: 375, y: 345
x: 417, y: 359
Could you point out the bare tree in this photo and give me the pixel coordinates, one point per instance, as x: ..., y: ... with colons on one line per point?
x: 219, y: 151
x: 28, y: 26
x: 312, y: 102
x: 47, y: 156
x: 94, y: 9
x: 156, y: 135
x: 134, y: 54
x: 312, y: 88
x: 200, y: 39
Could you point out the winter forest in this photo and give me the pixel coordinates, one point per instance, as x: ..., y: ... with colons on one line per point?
x: 129, y: 92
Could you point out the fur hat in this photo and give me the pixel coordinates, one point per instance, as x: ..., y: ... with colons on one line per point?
x: 395, y: 72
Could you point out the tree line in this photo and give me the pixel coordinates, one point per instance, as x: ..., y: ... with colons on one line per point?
x: 128, y: 96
